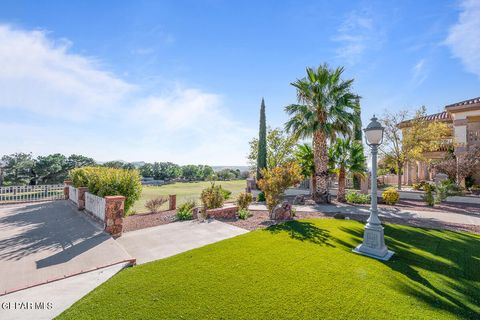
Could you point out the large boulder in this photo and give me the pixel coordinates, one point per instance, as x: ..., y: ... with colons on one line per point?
x: 282, y: 211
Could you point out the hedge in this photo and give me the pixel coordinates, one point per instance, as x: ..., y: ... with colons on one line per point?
x: 103, y: 181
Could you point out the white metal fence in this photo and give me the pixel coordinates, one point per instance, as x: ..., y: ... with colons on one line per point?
x: 15, y: 194
x: 95, y: 205
x: 73, y: 194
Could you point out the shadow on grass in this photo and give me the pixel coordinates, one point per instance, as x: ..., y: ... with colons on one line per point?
x: 303, y: 231
x: 451, y: 258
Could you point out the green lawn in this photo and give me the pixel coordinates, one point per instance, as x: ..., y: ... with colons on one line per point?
x: 300, y: 270
x: 185, y: 191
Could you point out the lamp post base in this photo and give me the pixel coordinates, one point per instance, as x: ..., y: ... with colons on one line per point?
x: 373, y: 244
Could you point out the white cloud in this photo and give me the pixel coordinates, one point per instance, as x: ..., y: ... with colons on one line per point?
x: 357, y: 34
x: 75, y: 105
x: 463, y: 37
x: 40, y: 75
x: 419, y: 72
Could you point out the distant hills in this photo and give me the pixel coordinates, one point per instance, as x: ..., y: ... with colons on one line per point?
x: 241, y: 168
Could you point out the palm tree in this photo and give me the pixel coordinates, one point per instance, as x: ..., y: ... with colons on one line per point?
x: 304, y: 157
x: 346, y: 156
x: 326, y: 107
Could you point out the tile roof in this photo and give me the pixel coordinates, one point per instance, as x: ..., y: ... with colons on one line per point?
x: 441, y: 116
x: 437, y: 116
x: 466, y: 102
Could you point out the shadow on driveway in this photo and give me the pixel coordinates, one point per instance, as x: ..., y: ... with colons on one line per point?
x: 46, y: 241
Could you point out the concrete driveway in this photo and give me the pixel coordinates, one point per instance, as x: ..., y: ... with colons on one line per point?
x: 173, y: 238
x: 43, y: 242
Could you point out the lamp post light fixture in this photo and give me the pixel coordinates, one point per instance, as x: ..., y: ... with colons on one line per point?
x: 373, y: 238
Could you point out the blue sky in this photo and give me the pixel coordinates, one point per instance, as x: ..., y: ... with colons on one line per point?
x: 182, y: 81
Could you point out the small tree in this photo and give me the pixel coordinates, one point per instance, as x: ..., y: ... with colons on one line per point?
x: 275, y: 181
x: 280, y: 147
x: 418, y: 137
x: 459, y: 167
x: 346, y: 156
x: 304, y: 157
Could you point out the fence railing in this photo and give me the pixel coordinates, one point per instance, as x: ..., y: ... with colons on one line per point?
x: 95, y: 205
x: 16, y: 194
x: 73, y: 194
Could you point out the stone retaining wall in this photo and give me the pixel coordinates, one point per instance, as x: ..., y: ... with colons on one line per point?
x: 223, y: 213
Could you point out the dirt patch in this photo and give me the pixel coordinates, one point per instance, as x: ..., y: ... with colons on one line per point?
x: 147, y: 220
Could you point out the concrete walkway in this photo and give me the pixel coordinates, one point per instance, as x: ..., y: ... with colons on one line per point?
x: 393, y: 212
x: 42, y: 242
x: 167, y: 240
x: 49, y: 300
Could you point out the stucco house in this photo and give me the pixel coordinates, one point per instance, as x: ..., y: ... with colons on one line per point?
x: 464, y: 119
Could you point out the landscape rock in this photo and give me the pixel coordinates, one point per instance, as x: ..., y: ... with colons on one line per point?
x: 300, y: 199
x: 282, y: 212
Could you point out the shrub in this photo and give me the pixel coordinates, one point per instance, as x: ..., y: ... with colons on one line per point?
x: 275, y: 181
x: 421, y: 185
x: 475, y: 189
x: 212, y: 197
x: 185, y: 211
x: 244, y: 199
x: 390, y: 196
x: 447, y: 189
x: 428, y: 197
x: 243, y: 214
x: 225, y: 193
x: 103, y: 181
x: 261, y: 197
x: 355, y: 197
x: 155, y: 204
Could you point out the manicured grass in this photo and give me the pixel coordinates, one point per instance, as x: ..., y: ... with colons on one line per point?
x: 185, y: 191
x: 300, y: 270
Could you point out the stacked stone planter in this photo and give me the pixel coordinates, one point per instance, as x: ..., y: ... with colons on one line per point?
x: 222, y: 213
x: 114, y: 209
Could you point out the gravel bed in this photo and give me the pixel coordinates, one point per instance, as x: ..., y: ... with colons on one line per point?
x: 469, y: 209
x: 259, y: 220
x: 147, y: 220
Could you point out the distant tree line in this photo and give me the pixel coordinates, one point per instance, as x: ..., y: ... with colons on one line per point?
x: 170, y: 171
x: 22, y: 168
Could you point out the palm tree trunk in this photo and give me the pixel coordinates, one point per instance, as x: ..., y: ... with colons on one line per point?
x: 341, y: 185
x: 320, y: 158
x: 313, y: 185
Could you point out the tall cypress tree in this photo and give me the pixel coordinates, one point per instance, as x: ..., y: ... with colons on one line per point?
x: 262, y: 142
x: 358, y: 136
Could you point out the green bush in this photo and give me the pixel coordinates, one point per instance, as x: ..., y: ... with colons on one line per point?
x: 212, y: 197
x: 428, y: 197
x: 355, y: 197
x: 225, y: 193
x: 390, y: 196
x: 422, y: 185
x: 447, y: 189
x: 103, y: 181
x: 243, y: 214
x: 185, y: 211
x: 244, y: 199
x: 261, y: 197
